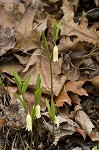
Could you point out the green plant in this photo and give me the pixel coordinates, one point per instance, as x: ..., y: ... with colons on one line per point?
x: 35, y: 112
x: 51, y: 109
x: 22, y: 89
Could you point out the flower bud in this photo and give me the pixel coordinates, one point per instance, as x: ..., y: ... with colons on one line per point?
x: 55, y: 53
x: 37, y: 111
x: 28, y: 122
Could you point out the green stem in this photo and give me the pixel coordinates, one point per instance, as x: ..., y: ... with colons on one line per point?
x: 51, y: 80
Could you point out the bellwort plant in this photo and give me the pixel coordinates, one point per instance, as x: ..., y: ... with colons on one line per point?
x: 35, y: 112
x: 52, y: 57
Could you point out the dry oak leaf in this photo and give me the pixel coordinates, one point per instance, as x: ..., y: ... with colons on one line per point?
x: 70, y: 86
x: 63, y: 97
x: 76, y: 87
x: 69, y: 28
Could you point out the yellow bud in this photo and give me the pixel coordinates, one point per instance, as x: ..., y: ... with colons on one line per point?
x: 28, y: 122
x: 37, y: 111
x: 55, y: 53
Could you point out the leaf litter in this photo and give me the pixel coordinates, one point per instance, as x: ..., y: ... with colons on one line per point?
x: 75, y: 75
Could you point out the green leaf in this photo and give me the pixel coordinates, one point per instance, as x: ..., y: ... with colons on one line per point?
x: 38, y: 94
x: 33, y: 112
x: 45, y: 44
x: 48, y: 107
x: 38, y: 82
x: 56, y: 31
x: 25, y: 85
x: 53, y: 111
x: 22, y: 101
x: 17, y: 80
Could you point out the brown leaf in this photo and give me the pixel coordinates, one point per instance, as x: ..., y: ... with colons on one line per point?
x: 82, y: 118
x: 69, y: 28
x: 95, y: 81
x: 7, y: 19
x: 63, y: 97
x: 75, y: 98
x: 76, y: 87
x: 7, y: 40
x: 40, y: 65
x: 9, y: 67
x: 66, y: 45
x: 82, y: 132
x: 23, y: 60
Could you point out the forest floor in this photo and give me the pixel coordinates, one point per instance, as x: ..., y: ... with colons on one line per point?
x: 75, y: 75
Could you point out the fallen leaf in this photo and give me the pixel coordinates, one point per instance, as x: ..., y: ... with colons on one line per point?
x: 82, y: 118
x: 82, y: 132
x: 95, y: 81
x: 63, y: 97
x: 7, y: 19
x: 40, y: 65
x: 69, y: 28
x: 22, y: 59
x: 7, y: 40
x: 10, y: 66
x: 76, y: 87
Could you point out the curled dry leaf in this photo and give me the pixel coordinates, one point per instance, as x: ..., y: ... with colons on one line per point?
x: 82, y: 118
x: 82, y: 132
x: 22, y: 60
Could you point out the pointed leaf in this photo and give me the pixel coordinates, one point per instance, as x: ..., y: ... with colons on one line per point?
x: 17, y: 80
x: 48, y: 107
x: 56, y: 31
x: 53, y: 111
x: 45, y: 44
x: 38, y: 82
x: 38, y: 94
x: 25, y: 85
